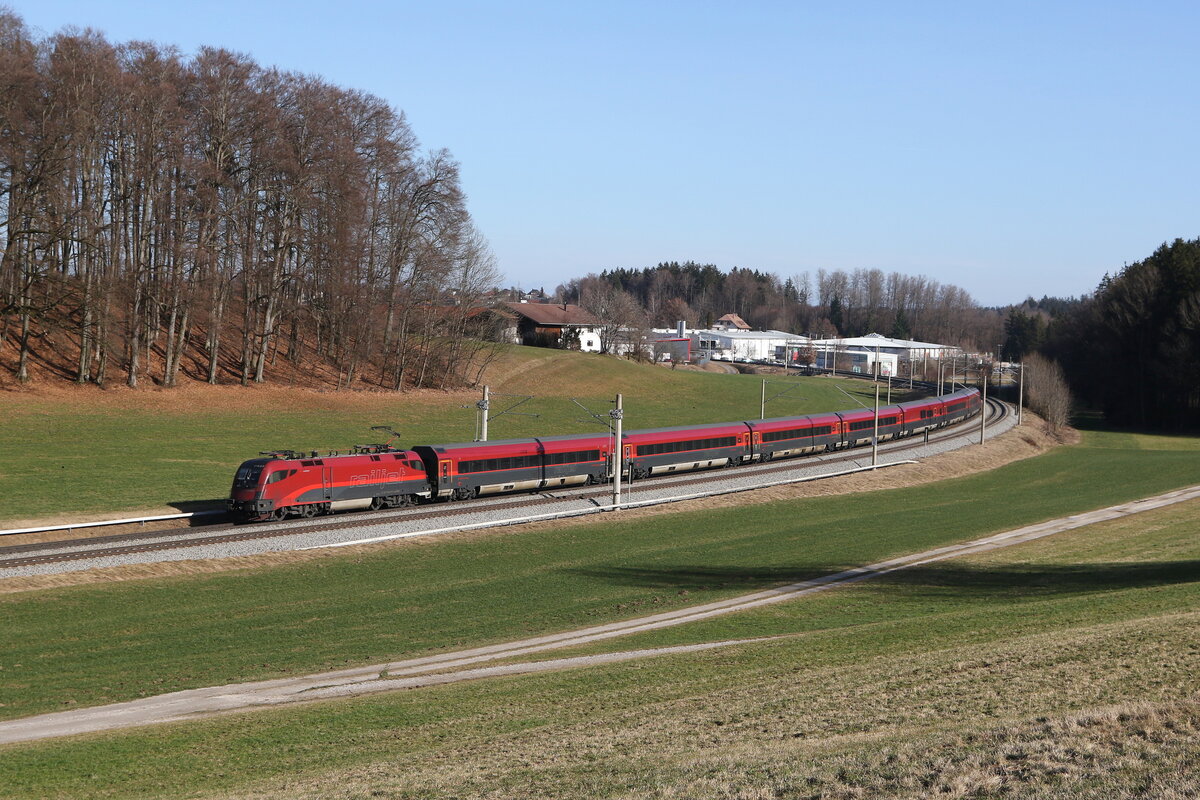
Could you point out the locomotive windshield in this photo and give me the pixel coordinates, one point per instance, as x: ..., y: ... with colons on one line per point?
x: 247, y: 475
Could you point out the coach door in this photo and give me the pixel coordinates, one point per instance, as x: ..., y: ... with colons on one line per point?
x: 327, y: 482
x: 444, y: 474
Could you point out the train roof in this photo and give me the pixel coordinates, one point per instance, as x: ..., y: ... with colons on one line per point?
x: 573, y: 437
x: 712, y: 427
x: 452, y: 447
x: 869, y: 412
x: 920, y: 402
x: 288, y: 455
x: 827, y: 416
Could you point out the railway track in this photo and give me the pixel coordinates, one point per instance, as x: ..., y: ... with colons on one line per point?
x: 24, y: 555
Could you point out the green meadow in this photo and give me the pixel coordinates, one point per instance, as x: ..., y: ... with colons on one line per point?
x: 1059, y: 668
x: 981, y: 673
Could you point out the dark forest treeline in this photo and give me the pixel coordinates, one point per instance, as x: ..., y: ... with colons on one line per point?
x: 154, y: 206
x: 1133, y: 348
x: 832, y: 303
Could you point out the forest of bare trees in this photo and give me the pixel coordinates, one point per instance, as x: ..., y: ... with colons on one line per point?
x: 829, y: 303
x: 162, y: 214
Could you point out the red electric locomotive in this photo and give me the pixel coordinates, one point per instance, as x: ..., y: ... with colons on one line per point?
x: 285, y: 482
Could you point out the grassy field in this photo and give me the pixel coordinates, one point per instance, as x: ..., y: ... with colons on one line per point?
x: 104, y: 643
x: 92, y: 451
x: 1062, y: 668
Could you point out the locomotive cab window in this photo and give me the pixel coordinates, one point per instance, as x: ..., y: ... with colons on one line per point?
x: 280, y: 474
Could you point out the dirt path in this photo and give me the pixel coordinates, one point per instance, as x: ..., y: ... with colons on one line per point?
x: 449, y: 667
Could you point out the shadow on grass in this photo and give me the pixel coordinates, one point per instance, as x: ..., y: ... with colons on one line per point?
x: 931, y: 579
x: 194, y: 506
x: 1092, y: 420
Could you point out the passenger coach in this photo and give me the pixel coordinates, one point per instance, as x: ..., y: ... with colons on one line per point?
x: 472, y: 469
x: 662, y: 450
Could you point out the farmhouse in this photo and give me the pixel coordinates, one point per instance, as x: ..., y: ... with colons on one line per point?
x: 556, y: 325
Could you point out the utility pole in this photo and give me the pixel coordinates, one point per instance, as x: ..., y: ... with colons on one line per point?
x: 889, y: 400
x: 875, y: 437
x: 1020, y: 391
x: 762, y: 404
x: 618, y: 453
x: 983, y: 414
x: 483, y: 405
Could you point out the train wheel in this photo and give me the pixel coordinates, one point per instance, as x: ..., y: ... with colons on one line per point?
x: 376, y: 503
x: 308, y: 511
x: 278, y: 513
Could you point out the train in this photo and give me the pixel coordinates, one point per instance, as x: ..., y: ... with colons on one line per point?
x: 287, y: 483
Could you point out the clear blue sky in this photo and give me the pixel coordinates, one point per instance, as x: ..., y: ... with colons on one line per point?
x: 1009, y: 148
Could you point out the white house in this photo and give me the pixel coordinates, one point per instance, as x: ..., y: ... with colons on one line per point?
x: 548, y: 325
x: 733, y: 344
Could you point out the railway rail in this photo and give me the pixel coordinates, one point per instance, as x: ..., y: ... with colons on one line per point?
x: 127, y: 544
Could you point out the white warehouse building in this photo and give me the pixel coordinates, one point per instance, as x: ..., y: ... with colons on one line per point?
x: 742, y: 345
x: 732, y: 340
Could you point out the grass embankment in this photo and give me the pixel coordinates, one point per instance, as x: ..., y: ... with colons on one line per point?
x: 1062, y: 668
x: 88, y: 451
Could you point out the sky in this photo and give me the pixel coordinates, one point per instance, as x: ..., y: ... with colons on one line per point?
x: 1012, y: 149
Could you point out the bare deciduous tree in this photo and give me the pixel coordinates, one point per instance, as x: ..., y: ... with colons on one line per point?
x: 1047, y: 392
x: 204, y: 212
